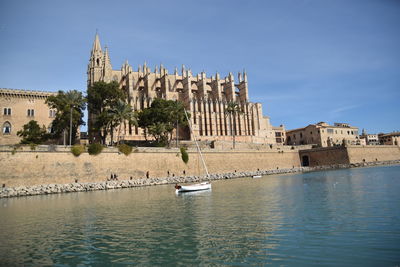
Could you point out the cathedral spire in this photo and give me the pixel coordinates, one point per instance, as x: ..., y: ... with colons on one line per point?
x: 96, y: 44
x: 106, y: 56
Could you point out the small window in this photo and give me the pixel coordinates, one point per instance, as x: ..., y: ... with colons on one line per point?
x: 31, y: 112
x: 7, y: 128
x: 52, y: 113
x: 7, y: 111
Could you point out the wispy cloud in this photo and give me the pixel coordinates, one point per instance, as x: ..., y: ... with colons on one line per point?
x: 339, y: 110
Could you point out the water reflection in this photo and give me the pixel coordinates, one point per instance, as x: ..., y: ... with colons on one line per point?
x: 313, y: 218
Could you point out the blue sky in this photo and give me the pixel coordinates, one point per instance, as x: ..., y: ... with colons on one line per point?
x: 307, y: 60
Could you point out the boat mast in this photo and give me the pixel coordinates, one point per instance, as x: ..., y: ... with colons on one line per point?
x: 197, y: 145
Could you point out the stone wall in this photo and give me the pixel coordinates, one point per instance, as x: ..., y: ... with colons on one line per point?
x: 38, y: 167
x: 25, y: 167
x: 349, y: 155
x: 324, y: 156
x: 359, y: 154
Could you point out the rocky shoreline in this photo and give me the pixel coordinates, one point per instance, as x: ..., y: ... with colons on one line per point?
x: 20, y: 191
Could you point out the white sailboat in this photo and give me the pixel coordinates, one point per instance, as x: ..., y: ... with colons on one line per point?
x: 194, y: 187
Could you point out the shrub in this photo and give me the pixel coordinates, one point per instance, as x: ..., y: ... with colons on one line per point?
x: 15, y: 148
x: 184, y: 155
x: 95, y: 149
x: 126, y: 149
x: 33, y: 146
x: 77, y: 150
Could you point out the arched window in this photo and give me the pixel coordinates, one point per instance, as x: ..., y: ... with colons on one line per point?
x: 98, y: 62
x: 7, y: 128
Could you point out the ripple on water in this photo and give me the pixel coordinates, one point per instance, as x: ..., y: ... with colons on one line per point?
x: 336, y: 218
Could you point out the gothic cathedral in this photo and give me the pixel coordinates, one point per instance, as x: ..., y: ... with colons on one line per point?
x: 206, y: 98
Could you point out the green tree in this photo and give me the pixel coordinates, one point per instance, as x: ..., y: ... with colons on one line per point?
x: 232, y: 110
x: 32, y: 133
x: 161, y: 118
x: 69, y: 114
x: 120, y: 114
x: 102, y: 97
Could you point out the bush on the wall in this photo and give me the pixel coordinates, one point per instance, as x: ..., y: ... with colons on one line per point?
x: 95, y: 149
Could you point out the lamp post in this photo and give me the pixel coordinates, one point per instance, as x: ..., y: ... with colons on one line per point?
x: 70, y: 127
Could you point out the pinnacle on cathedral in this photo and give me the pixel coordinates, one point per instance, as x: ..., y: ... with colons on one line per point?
x: 96, y: 44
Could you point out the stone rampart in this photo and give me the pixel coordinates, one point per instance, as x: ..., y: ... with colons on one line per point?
x: 31, y: 167
x: 358, y: 154
x: 324, y: 156
x: 26, y: 167
x: 348, y: 155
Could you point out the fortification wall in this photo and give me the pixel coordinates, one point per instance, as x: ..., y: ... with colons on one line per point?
x: 35, y: 167
x: 324, y: 156
x: 359, y: 154
x: 349, y: 155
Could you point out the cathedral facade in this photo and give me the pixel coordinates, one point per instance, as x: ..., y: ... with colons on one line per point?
x: 206, y: 99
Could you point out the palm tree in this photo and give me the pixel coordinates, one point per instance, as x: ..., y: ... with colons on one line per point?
x: 233, y: 109
x: 176, y: 114
x: 69, y: 116
x: 120, y: 114
x: 73, y: 99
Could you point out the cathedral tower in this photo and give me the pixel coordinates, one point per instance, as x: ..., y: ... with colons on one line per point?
x: 96, y: 63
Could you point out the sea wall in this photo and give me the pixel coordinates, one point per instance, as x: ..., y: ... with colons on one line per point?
x: 359, y: 154
x: 56, y: 165
x: 26, y: 168
x: 348, y: 155
x: 324, y: 156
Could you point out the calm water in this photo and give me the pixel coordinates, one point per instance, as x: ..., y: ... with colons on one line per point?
x: 335, y: 218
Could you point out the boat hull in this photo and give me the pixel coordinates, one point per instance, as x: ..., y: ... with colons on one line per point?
x: 193, y: 187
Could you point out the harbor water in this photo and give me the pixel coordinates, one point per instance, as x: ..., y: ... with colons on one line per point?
x: 347, y: 217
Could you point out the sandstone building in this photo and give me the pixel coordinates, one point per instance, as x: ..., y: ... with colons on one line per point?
x: 370, y: 139
x: 205, y: 97
x: 390, y: 138
x: 323, y: 135
x: 18, y: 107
